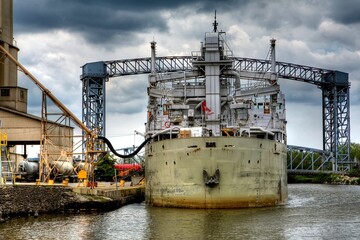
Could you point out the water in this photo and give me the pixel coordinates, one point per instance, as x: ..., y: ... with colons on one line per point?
x: 313, y: 212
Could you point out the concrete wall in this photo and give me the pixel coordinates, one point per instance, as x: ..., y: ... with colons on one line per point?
x: 8, y: 70
x: 6, y: 21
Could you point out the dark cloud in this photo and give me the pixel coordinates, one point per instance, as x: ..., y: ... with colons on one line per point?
x: 345, y: 12
x: 97, y: 23
x: 309, y: 32
x: 101, y: 21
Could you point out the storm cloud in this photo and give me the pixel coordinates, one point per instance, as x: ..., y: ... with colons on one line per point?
x: 57, y: 37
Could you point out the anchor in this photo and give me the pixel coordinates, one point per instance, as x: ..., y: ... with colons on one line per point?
x: 213, y: 180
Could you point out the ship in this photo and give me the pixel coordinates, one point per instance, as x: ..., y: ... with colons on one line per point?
x: 218, y: 136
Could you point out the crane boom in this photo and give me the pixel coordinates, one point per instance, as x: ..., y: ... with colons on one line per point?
x: 56, y: 101
x: 66, y: 111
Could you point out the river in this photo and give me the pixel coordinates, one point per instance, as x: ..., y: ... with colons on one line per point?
x: 313, y: 212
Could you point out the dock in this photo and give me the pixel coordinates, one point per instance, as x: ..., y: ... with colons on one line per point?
x: 25, y: 199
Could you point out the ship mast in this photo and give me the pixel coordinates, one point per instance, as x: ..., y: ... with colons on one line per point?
x: 212, y: 58
x: 215, y: 24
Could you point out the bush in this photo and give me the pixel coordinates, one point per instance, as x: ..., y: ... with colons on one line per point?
x: 355, y: 172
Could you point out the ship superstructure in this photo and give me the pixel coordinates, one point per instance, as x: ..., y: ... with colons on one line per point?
x: 219, y: 135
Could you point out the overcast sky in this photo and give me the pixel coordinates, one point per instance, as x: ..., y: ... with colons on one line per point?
x: 57, y: 37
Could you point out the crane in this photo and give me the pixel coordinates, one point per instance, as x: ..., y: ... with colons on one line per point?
x: 92, y: 138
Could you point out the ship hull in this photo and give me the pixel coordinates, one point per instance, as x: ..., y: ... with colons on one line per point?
x: 252, y: 172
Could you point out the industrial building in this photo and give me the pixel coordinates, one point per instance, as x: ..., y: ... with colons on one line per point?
x: 16, y: 125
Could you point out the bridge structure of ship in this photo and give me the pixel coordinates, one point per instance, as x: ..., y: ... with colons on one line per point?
x: 335, y: 86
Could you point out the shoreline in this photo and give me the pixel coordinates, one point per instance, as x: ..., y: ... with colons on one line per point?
x: 31, y: 200
x: 323, y: 178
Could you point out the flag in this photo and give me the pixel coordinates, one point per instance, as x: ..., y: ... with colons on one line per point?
x: 205, y: 109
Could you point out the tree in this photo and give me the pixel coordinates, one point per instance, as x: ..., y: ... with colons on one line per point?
x: 105, y: 167
x: 355, y: 151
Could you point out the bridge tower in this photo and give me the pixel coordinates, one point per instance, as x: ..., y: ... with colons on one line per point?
x: 93, y: 78
x: 336, y: 118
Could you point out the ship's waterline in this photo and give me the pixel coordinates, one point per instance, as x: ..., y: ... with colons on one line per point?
x: 252, y: 172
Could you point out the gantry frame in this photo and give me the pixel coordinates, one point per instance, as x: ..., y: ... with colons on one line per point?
x: 90, y: 135
x: 334, y: 85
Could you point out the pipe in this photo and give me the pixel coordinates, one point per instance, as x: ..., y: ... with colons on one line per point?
x: 112, y: 149
x: 237, y: 75
x: 273, y: 59
x: 153, y: 57
x: 232, y: 72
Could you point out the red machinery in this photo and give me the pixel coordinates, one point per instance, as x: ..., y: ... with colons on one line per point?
x: 128, y: 169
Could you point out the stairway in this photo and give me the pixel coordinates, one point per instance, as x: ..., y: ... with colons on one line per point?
x: 7, y: 167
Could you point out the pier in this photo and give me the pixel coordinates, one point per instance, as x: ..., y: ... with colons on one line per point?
x: 33, y: 200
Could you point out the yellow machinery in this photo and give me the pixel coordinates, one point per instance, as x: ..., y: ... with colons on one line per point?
x: 6, y: 165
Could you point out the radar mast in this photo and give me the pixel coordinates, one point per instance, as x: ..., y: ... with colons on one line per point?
x: 215, y: 24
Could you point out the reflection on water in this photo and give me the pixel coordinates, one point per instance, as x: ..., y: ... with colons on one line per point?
x: 313, y: 212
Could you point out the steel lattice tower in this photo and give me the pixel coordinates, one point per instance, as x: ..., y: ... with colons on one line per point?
x: 93, y: 96
x: 336, y: 119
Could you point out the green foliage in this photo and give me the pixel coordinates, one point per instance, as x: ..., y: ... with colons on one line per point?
x: 355, y: 151
x: 105, y: 166
x: 355, y: 172
x: 311, y: 178
x: 333, y: 178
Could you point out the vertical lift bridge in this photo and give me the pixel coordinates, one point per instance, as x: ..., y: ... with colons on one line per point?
x: 334, y: 85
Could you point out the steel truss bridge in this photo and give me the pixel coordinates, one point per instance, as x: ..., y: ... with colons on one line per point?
x: 334, y: 85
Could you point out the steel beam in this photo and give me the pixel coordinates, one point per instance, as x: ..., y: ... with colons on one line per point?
x: 334, y: 85
x: 309, y: 159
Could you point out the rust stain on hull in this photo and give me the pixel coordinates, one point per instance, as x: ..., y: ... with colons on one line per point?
x: 229, y: 203
x: 249, y: 176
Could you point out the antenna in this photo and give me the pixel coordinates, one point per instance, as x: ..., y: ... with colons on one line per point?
x: 215, y: 24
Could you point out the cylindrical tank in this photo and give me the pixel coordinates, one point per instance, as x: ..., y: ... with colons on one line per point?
x: 80, y: 165
x: 62, y: 167
x: 28, y: 168
x: 8, y: 69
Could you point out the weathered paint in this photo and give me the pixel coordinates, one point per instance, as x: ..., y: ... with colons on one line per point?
x: 252, y: 172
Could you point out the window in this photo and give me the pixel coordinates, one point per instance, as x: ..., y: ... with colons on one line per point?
x: 22, y: 95
x: 5, y: 92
